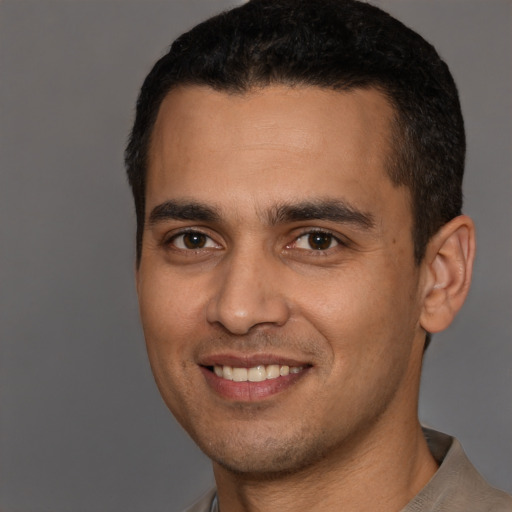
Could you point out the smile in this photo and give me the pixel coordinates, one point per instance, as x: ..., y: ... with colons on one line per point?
x: 256, y: 373
x: 252, y: 379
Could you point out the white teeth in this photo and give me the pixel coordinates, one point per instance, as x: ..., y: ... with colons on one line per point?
x: 227, y: 372
x: 255, y: 374
x: 272, y: 371
x: 239, y: 374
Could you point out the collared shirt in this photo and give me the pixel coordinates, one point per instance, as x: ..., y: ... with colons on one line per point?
x: 455, y: 487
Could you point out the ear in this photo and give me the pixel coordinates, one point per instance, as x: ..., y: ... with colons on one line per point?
x: 447, y: 268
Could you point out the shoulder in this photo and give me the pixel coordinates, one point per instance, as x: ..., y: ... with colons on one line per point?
x: 203, y: 504
x: 457, y: 486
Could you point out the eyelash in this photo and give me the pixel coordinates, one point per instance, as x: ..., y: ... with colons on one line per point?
x: 170, y: 240
x: 323, y: 232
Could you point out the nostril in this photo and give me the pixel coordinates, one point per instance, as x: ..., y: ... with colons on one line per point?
x: 245, y: 298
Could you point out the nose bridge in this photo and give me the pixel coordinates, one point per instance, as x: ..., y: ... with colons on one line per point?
x: 248, y: 292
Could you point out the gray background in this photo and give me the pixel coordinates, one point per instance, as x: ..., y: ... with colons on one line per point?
x: 82, y: 427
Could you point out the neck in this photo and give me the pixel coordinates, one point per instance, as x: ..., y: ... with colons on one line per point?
x: 381, y: 471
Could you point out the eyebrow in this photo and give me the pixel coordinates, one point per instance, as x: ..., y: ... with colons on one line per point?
x: 330, y: 210
x: 327, y: 209
x: 177, y: 210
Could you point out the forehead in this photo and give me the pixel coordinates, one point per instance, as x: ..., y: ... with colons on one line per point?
x: 288, y: 142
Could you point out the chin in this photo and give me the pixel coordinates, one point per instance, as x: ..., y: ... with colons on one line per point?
x: 264, y: 457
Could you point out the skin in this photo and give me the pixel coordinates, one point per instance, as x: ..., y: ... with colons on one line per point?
x: 239, y: 171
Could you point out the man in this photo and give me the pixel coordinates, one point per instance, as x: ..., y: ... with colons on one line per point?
x: 297, y: 169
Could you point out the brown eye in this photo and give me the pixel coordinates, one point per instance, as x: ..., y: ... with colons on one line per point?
x: 316, y: 241
x: 320, y: 241
x: 193, y: 240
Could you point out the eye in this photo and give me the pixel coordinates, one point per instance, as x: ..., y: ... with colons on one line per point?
x: 192, y: 240
x: 316, y: 240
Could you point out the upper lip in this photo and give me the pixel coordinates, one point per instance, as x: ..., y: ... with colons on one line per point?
x: 249, y: 360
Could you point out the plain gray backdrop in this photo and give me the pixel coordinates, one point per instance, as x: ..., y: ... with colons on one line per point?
x: 82, y: 426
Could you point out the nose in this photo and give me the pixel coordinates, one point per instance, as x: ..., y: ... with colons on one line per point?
x: 249, y: 294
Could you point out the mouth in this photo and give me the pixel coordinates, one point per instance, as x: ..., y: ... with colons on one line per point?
x: 257, y: 373
x: 243, y: 380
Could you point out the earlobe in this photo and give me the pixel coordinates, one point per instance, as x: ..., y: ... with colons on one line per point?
x: 448, y: 266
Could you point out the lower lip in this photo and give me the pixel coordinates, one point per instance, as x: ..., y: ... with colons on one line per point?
x: 250, y: 391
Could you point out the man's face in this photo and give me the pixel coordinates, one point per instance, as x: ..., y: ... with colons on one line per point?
x: 277, y: 285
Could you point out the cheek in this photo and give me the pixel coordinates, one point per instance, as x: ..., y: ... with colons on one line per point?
x: 169, y: 321
x: 170, y: 307
x: 366, y: 311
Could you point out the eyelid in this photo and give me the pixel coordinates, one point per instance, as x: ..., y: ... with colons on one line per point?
x: 340, y: 241
x: 169, y: 239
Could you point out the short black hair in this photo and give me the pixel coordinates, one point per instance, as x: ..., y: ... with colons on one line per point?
x: 335, y: 44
